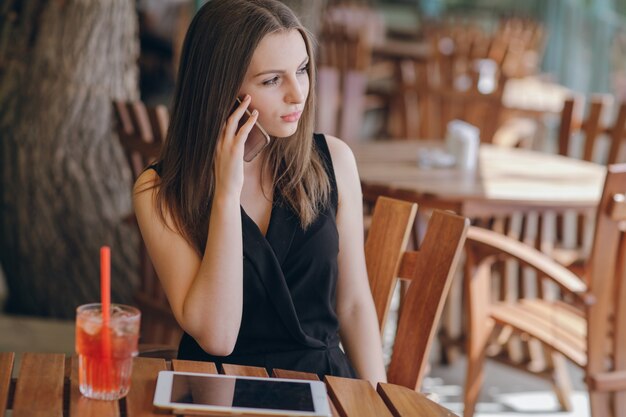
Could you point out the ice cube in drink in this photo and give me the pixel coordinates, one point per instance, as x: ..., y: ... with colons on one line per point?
x: 105, y: 357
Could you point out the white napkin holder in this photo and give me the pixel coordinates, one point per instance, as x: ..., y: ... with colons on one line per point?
x: 462, y: 141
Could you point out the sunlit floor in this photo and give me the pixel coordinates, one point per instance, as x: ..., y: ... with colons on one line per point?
x: 507, y: 392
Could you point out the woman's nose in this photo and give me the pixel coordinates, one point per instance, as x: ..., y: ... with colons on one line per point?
x: 296, y: 93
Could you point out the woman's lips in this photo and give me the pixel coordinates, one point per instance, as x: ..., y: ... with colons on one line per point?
x: 292, y: 117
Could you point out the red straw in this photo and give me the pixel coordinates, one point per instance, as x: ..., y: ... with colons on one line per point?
x: 105, y: 296
x: 105, y: 283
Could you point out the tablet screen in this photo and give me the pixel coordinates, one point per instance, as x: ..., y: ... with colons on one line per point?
x: 249, y: 393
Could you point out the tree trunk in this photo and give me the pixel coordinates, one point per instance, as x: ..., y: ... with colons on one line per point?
x: 64, y: 182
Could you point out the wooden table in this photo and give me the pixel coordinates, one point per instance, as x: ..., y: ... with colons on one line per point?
x: 533, y: 96
x: 506, y: 182
x: 47, y: 385
x: 506, y: 179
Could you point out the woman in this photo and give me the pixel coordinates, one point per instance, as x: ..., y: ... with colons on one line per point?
x: 293, y: 214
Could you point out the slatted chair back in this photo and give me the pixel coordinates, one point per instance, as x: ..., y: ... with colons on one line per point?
x: 429, y: 270
x: 432, y: 93
x: 588, y: 130
x: 606, y: 317
x: 345, y: 51
x: 617, y: 134
x: 585, y: 138
x: 141, y: 131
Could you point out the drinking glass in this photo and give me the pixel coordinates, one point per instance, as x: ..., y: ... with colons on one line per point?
x: 105, y: 353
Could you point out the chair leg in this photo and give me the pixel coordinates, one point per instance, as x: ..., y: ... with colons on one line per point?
x: 619, y: 403
x: 561, y: 382
x: 476, y: 352
x: 599, y: 404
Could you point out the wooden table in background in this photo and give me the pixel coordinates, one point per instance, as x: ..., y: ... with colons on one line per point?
x: 47, y: 385
x: 533, y: 96
x: 505, y: 179
x: 506, y: 182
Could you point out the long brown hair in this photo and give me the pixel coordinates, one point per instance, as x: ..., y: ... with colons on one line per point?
x: 216, y: 54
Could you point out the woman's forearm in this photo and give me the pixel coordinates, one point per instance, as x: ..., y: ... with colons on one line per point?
x: 362, y: 343
x: 214, y: 302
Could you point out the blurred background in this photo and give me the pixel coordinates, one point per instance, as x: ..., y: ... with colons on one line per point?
x: 65, y: 178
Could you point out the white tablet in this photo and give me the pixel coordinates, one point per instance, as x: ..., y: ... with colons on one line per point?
x: 195, y: 393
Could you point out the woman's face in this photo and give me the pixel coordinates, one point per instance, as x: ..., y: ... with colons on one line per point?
x: 278, y: 82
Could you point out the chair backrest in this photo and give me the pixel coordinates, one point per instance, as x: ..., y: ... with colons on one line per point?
x: 429, y: 270
x: 617, y: 134
x: 345, y: 55
x: 449, y: 86
x: 589, y: 129
x: 141, y: 131
x: 606, y: 277
x: 585, y: 137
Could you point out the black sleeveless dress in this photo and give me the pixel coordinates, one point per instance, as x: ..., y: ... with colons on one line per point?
x: 289, y: 290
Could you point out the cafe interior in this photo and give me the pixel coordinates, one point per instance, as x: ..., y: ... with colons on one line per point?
x: 487, y: 136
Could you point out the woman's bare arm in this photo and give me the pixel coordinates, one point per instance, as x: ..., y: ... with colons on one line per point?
x: 355, y: 307
x: 205, y: 293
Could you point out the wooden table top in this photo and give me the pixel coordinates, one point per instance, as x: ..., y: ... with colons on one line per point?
x: 47, y: 385
x: 508, y: 178
x: 532, y: 95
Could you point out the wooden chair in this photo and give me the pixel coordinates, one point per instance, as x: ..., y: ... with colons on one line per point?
x: 587, y: 325
x: 589, y: 138
x: 345, y: 59
x: 141, y: 132
x: 451, y: 85
x: 429, y: 270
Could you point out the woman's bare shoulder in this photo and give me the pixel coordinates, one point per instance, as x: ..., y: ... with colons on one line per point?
x: 340, y: 152
x: 147, y: 181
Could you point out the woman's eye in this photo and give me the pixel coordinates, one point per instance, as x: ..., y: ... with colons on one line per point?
x: 303, y: 70
x: 272, y: 81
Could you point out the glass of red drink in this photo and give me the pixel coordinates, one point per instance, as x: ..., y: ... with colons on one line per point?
x: 105, y: 353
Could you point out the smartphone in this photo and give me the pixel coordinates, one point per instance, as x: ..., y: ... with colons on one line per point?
x: 257, y: 139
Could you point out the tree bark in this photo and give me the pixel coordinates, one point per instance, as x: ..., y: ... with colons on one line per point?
x: 64, y: 182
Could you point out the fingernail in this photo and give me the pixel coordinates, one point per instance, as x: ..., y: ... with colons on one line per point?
x: 255, y: 112
x: 247, y: 97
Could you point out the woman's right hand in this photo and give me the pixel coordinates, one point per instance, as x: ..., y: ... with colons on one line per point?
x: 228, y: 163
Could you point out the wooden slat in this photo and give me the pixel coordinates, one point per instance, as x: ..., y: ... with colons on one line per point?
x: 143, y: 383
x: 617, y: 207
x: 592, y: 128
x: 39, y: 389
x: 240, y: 370
x: 423, y: 304
x: 194, y: 366
x: 607, y: 381
x: 619, y: 326
x: 565, y: 132
x: 558, y: 314
x: 284, y: 373
x: 386, y: 241
x: 617, y: 134
x: 355, y: 398
x: 541, y: 329
x: 81, y: 406
x: 6, y: 367
x: 404, y: 402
